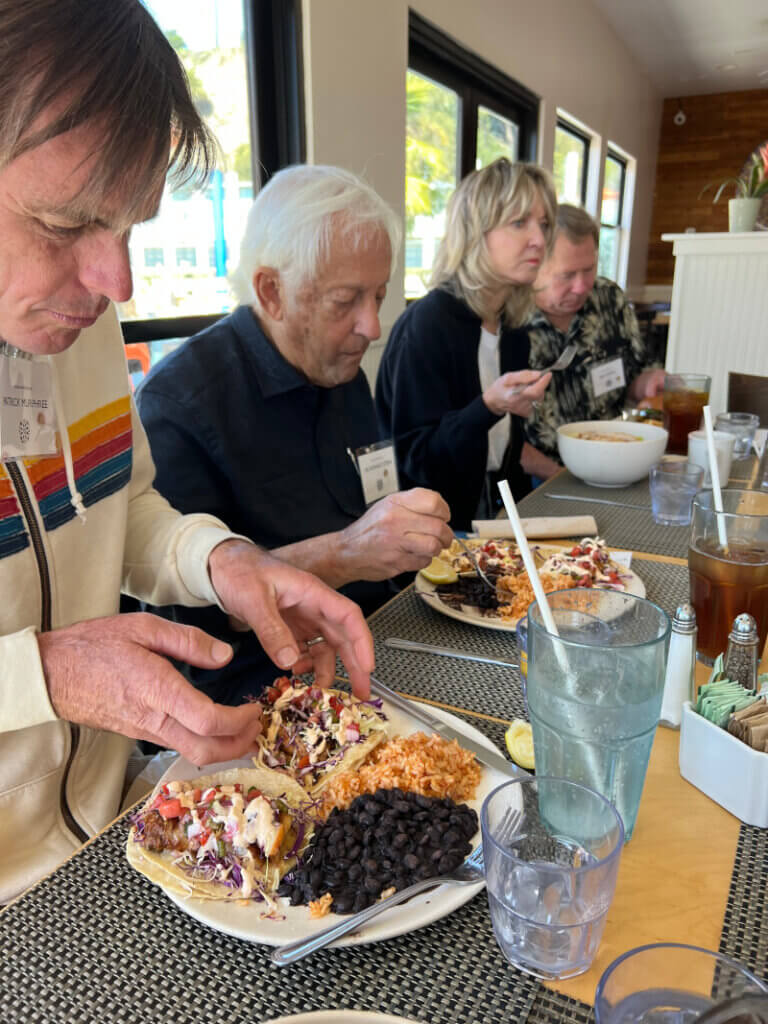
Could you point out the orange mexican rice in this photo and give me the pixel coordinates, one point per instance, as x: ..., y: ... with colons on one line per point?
x: 522, y: 592
x: 422, y: 764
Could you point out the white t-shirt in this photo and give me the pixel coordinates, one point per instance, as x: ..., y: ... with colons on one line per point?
x: 490, y: 370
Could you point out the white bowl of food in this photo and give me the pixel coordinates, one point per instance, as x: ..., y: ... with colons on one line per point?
x: 610, y: 453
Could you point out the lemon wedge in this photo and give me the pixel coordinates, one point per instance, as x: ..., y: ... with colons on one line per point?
x: 439, y: 571
x: 519, y: 739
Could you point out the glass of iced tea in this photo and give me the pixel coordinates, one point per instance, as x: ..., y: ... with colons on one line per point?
x: 685, y: 395
x: 728, y: 579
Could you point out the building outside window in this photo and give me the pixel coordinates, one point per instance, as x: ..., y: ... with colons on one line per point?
x: 209, y: 37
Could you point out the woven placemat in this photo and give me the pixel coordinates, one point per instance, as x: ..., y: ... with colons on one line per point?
x: 566, y: 483
x: 553, y: 1008
x: 98, y: 942
x: 619, y: 526
x: 745, y: 928
x: 486, y: 689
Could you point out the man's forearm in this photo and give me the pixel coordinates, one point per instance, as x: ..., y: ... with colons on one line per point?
x: 323, y: 556
x: 536, y: 463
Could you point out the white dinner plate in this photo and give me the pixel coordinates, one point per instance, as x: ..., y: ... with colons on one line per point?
x: 428, y: 592
x: 341, y: 1017
x: 245, y: 920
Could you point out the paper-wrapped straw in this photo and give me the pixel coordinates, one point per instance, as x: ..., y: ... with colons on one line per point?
x: 530, y: 568
x: 715, y: 474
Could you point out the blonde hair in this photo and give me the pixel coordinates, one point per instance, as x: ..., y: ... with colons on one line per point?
x: 485, y: 200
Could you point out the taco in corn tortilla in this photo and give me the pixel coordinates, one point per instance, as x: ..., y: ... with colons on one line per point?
x: 226, y: 836
x: 314, y: 733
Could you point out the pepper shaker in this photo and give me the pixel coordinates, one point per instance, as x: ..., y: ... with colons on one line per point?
x: 743, y: 653
x: 681, y: 661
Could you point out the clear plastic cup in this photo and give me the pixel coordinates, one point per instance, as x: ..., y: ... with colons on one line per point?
x: 742, y: 427
x: 551, y: 875
x: 669, y: 983
x: 674, y: 484
x: 594, y: 692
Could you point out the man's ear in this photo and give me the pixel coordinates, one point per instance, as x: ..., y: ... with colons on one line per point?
x: 269, y: 291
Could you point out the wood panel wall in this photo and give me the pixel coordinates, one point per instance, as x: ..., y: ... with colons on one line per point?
x: 719, y: 134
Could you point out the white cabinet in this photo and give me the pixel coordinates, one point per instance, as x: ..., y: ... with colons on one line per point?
x: 719, y: 318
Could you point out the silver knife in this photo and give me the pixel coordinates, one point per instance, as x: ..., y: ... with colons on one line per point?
x: 483, y: 754
x: 448, y: 652
x: 596, y: 501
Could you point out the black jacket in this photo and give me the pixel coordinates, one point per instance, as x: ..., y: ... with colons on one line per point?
x: 428, y: 399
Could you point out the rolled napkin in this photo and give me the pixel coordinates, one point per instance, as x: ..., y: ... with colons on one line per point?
x: 538, y: 527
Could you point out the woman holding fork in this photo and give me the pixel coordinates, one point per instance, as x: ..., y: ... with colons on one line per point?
x: 453, y: 387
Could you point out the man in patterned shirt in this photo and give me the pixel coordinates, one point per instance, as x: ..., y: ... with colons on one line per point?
x: 610, y: 368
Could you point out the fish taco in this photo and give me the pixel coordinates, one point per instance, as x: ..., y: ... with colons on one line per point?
x: 314, y: 733
x: 229, y: 835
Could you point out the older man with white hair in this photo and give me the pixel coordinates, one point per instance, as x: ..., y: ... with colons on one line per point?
x: 259, y: 416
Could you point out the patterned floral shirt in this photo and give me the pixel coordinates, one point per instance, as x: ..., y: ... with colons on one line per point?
x: 604, y: 329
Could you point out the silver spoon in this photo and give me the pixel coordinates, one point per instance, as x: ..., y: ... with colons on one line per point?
x: 562, y: 362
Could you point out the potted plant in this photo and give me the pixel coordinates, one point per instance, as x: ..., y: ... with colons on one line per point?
x: 749, y: 188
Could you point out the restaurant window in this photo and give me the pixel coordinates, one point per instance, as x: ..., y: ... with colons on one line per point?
x: 570, y: 165
x: 154, y: 257
x: 243, y: 62
x: 461, y: 114
x: 612, y: 216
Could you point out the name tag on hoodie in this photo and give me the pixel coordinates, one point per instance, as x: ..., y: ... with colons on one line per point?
x: 27, y: 410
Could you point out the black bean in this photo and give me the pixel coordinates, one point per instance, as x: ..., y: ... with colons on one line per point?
x: 343, y: 904
x: 362, y: 900
x: 366, y: 820
x: 401, y: 806
x: 354, y: 852
x: 315, y: 877
x: 355, y: 870
x: 424, y: 802
x: 400, y: 840
x: 411, y: 861
x: 372, y: 884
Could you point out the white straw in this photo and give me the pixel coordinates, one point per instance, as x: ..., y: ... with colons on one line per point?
x: 715, y: 474
x: 530, y: 568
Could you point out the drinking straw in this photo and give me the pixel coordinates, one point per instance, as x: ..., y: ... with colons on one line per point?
x: 715, y: 474
x: 592, y: 768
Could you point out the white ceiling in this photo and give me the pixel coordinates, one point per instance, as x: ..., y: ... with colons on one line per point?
x: 691, y: 47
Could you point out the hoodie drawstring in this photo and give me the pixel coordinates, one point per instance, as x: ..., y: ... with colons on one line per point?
x: 76, y: 498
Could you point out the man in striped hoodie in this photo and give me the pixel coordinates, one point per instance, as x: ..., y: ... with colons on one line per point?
x: 95, y: 110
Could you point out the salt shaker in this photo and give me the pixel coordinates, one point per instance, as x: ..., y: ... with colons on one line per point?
x: 679, y: 678
x: 743, y: 653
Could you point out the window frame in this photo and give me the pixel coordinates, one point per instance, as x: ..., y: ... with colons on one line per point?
x: 623, y: 223
x: 611, y: 154
x: 275, y: 73
x: 577, y: 133
x: 433, y: 53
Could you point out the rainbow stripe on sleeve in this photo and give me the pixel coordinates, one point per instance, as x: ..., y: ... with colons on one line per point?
x: 102, y: 457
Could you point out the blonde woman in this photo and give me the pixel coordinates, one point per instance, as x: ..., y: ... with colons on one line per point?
x: 452, y: 387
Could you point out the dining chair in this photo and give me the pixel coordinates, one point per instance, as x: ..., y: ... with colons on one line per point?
x: 748, y: 393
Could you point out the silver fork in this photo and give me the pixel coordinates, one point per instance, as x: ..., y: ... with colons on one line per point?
x: 562, y: 362
x: 468, y: 872
x: 473, y: 559
x: 507, y: 833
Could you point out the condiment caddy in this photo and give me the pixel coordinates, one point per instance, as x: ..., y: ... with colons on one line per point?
x: 714, y: 752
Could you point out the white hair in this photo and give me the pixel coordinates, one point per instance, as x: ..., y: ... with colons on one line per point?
x: 296, y: 214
